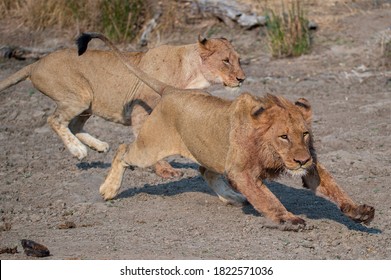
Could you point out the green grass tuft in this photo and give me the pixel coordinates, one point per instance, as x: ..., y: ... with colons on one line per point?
x: 288, y: 33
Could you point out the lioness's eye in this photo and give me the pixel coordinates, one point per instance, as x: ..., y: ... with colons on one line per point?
x: 226, y: 61
x: 306, y: 134
x: 284, y: 136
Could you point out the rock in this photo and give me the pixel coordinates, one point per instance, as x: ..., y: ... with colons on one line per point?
x: 67, y: 225
x: 5, y: 226
x: 34, y: 249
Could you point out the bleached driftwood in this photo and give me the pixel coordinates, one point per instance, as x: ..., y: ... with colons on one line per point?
x: 230, y: 12
x: 157, y: 12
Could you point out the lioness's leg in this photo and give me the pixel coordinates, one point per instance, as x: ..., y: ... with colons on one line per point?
x: 222, y: 188
x: 263, y: 199
x: 59, y: 122
x: 76, y: 126
x: 322, y: 183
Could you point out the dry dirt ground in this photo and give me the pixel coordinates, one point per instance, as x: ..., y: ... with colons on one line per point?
x: 42, y: 187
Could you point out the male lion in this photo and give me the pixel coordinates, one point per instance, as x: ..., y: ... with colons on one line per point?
x: 98, y: 84
x: 248, y: 140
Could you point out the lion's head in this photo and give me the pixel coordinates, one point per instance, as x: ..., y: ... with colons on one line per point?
x: 279, y: 132
x: 220, y: 62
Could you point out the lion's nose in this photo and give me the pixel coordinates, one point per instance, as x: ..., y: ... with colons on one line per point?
x: 302, y: 160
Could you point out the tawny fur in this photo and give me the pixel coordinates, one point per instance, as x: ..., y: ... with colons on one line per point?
x: 97, y: 83
x: 248, y: 140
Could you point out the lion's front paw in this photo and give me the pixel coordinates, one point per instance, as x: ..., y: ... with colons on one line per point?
x: 360, y: 214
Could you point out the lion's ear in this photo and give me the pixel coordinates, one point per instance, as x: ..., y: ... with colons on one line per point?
x: 247, y: 106
x: 305, y: 108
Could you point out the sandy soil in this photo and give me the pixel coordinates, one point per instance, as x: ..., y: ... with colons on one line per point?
x: 42, y: 187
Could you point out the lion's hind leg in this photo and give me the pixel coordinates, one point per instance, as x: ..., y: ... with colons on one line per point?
x: 156, y: 140
x: 221, y: 187
x: 162, y: 168
x: 138, y: 154
x: 109, y: 189
x: 76, y: 126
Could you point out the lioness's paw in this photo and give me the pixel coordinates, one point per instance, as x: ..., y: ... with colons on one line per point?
x: 102, y: 147
x: 107, y: 192
x: 360, y: 214
x: 79, y: 151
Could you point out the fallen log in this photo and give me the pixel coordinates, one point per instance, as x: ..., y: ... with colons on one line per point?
x: 22, y: 53
x: 230, y: 12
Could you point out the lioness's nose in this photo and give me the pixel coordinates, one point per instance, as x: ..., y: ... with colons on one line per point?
x: 240, y: 79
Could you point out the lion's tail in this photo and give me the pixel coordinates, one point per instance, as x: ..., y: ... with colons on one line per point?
x: 82, y: 43
x: 17, y: 77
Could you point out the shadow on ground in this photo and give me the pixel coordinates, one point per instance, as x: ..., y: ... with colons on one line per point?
x: 297, y: 201
x: 85, y: 165
x: 304, y: 202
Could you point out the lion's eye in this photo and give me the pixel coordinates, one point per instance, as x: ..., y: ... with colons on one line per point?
x: 226, y: 61
x: 306, y: 134
x: 284, y: 137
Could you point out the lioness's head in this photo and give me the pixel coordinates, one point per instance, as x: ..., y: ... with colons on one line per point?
x: 220, y: 62
x: 281, y: 133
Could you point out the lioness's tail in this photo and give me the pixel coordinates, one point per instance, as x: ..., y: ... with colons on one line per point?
x: 82, y: 43
x: 17, y: 77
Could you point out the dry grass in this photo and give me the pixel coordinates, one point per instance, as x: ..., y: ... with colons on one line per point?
x: 121, y: 20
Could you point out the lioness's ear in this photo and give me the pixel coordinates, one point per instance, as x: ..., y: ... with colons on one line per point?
x: 257, y: 111
x: 204, y: 48
x: 202, y: 40
x: 305, y: 108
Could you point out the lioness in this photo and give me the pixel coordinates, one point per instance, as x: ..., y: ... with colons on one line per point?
x: 248, y: 139
x: 98, y: 84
